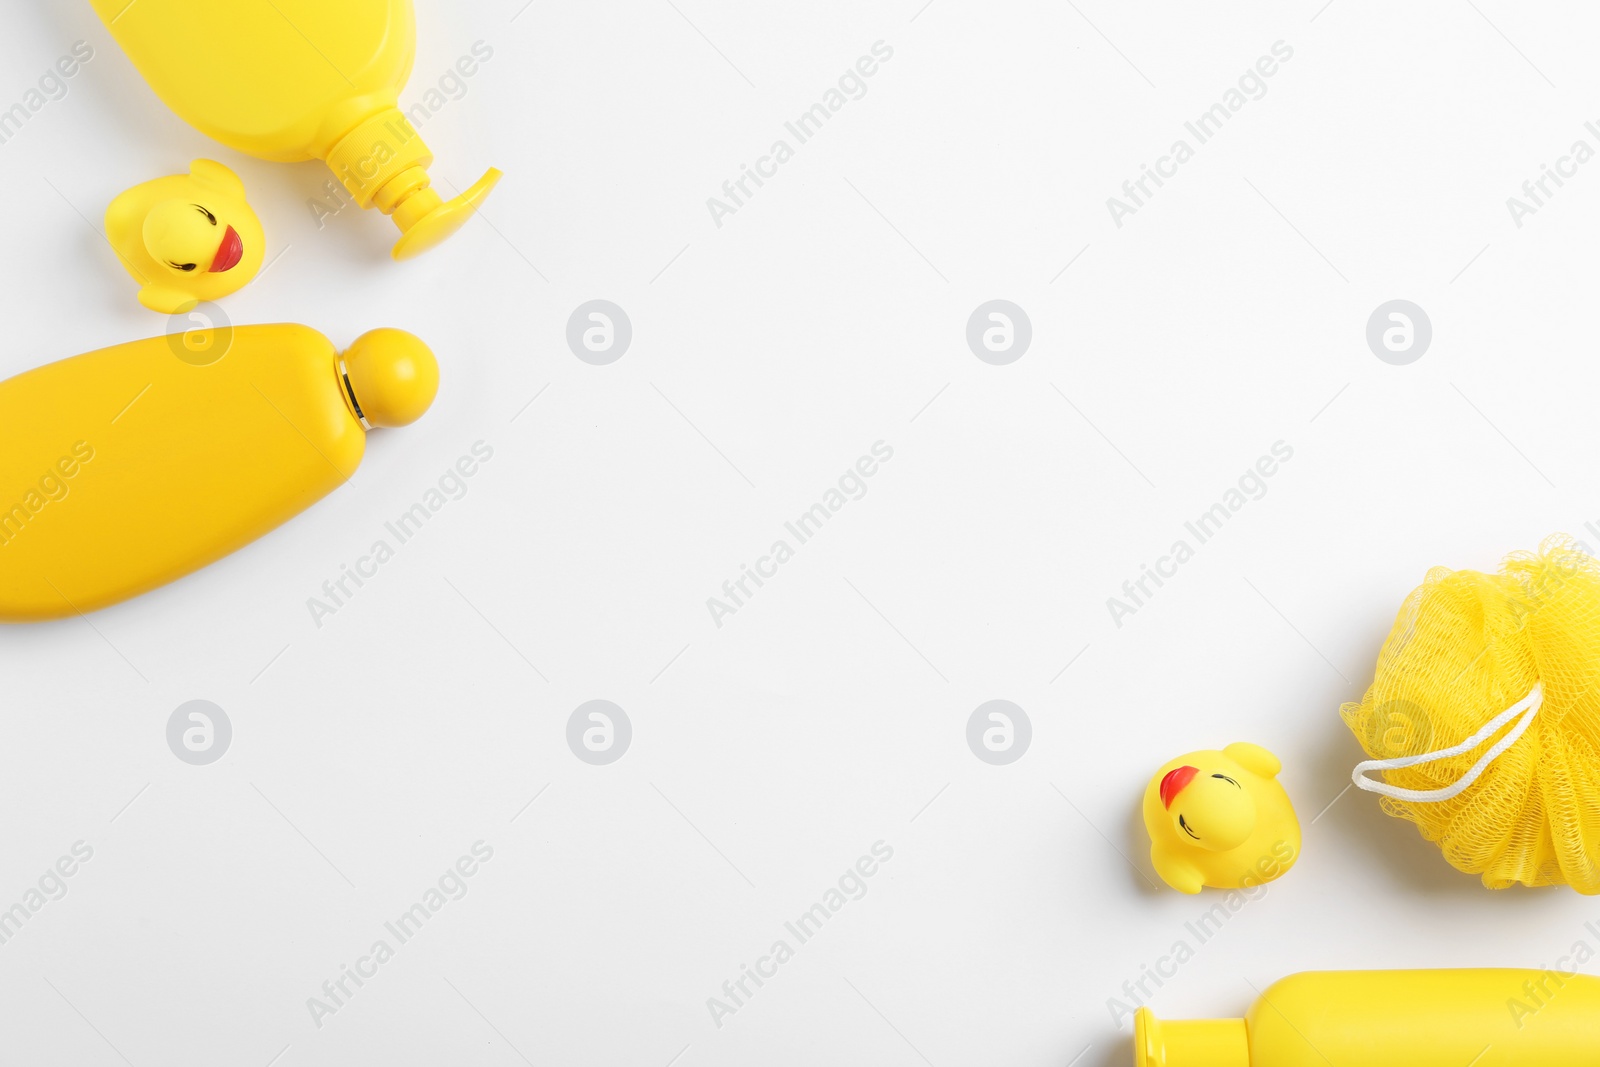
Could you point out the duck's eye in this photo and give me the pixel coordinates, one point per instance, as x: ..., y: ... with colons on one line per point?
x: 183, y: 266
x: 1225, y: 778
x: 1185, y: 825
x: 209, y: 216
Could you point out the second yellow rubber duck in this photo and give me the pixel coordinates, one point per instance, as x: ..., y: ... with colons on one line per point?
x: 1220, y: 819
x: 187, y: 237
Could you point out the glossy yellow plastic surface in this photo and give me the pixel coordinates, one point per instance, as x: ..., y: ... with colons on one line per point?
x: 129, y: 467
x: 1220, y: 819
x: 1481, y: 1018
x: 187, y: 237
x: 292, y: 80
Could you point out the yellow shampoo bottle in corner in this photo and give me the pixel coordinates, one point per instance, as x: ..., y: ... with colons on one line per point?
x: 1485, y: 1018
x: 291, y: 80
x: 129, y: 467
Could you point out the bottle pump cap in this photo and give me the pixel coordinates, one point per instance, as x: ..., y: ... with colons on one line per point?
x: 1189, y: 1043
x: 384, y: 162
x: 389, y: 377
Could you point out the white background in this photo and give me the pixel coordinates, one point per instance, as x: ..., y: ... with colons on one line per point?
x: 829, y: 713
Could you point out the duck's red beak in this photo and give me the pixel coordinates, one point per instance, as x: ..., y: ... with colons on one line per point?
x: 1174, y: 782
x: 229, y: 253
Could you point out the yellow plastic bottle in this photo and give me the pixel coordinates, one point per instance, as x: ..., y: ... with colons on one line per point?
x: 291, y: 80
x: 129, y: 467
x: 1485, y: 1018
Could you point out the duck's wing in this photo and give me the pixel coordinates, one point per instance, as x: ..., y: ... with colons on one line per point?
x: 1175, y: 869
x: 1254, y: 758
x: 210, y: 172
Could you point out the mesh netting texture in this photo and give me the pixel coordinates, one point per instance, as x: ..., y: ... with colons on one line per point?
x: 1465, y: 647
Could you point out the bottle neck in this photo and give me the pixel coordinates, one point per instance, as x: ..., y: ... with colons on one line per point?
x: 1189, y: 1042
x: 347, y: 391
x: 382, y: 148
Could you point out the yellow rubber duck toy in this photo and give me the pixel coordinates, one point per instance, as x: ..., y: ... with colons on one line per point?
x: 1220, y: 819
x: 187, y: 237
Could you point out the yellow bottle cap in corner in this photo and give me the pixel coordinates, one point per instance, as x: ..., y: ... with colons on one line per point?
x: 1189, y: 1043
x: 390, y: 377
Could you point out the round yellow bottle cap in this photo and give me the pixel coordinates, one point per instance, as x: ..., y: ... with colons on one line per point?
x: 393, y: 376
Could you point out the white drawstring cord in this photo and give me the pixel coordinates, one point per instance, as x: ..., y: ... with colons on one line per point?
x: 1527, y: 708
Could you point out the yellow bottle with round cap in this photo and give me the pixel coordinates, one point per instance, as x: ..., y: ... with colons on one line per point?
x: 129, y: 467
x: 1447, y: 1018
x: 292, y: 80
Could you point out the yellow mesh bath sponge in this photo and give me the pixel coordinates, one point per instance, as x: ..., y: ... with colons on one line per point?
x: 1484, y: 718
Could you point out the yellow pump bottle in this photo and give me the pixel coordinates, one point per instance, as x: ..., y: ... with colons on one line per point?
x: 129, y: 467
x: 291, y: 80
x: 1486, y: 1018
